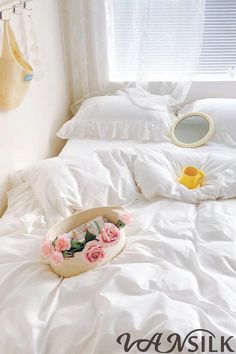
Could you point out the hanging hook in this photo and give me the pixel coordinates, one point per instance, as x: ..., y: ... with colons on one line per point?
x: 28, y: 5
x: 18, y: 9
x: 5, y: 15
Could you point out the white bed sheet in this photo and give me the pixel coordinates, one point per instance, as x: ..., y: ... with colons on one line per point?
x: 176, y: 274
x: 75, y: 147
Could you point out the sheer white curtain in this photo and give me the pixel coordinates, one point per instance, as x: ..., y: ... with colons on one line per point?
x: 148, y: 48
x: 85, y: 43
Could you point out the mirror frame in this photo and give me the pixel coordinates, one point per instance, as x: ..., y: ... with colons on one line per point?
x: 199, y: 142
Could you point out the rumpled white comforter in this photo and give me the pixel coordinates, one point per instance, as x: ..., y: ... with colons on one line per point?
x: 176, y: 274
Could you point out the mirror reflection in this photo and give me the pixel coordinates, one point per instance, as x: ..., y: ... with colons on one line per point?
x: 191, y: 129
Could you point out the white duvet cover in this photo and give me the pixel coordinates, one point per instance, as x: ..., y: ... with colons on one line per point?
x: 176, y: 274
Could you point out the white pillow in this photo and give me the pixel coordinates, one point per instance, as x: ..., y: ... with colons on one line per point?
x: 223, y: 113
x: 54, y: 187
x: 63, y: 185
x: 116, y: 117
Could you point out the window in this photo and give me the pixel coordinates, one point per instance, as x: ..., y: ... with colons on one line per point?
x: 218, y: 56
x: 218, y: 50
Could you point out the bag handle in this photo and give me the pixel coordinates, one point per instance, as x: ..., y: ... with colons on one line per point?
x: 10, y: 48
x: 10, y: 44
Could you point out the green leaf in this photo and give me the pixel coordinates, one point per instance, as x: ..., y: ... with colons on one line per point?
x: 120, y: 224
x: 89, y: 237
x: 78, y: 249
x: 68, y: 254
x: 75, y: 243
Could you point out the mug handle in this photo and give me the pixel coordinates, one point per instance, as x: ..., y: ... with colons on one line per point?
x: 201, y: 175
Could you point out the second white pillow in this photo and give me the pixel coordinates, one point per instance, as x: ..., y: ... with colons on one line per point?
x: 223, y: 113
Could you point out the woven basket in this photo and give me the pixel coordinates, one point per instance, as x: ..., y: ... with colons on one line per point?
x: 77, y: 265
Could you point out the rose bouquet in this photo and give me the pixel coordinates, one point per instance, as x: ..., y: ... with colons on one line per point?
x: 90, y: 239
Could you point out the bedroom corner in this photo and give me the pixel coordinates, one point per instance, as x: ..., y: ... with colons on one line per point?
x: 118, y: 176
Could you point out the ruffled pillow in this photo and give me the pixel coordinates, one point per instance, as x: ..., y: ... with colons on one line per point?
x: 116, y: 117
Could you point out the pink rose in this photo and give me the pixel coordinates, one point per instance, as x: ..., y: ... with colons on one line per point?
x: 62, y: 243
x: 93, y: 252
x: 110, y: 234
x: 56, y: 258
x: 46, y: 247
x: 126, y: 218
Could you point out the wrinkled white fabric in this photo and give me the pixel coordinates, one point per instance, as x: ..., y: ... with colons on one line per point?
x: 176, y: 274
x: 156, y: 173
x: 76, y: 147
x: 68, y: 183
x: 65, y: 184
x: 54, y: 187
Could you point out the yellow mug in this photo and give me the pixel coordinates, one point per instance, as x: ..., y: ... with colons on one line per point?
x: 191, y: 177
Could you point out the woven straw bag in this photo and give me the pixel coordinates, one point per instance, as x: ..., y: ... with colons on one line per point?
x: 77, y: 265
x: 15, y: 73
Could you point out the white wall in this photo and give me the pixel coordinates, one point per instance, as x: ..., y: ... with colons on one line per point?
x: 27, y: 134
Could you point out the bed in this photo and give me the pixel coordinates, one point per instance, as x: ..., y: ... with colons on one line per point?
x: 175, y: 275
x: 173, y: 287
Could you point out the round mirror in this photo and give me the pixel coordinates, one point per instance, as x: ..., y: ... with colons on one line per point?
x: 192, y: 130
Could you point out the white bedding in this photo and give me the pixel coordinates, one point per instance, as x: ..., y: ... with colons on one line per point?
x: 176, y: 274
x: 76, y: 147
